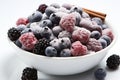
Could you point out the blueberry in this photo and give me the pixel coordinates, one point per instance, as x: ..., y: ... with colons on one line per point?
x: 76, y: 9
x: 55, y: 18
x: 103, y: 43
x: 100, y: 74
x: 65, y: 42
x: 65, y: 53
x: 95, y: 34
x: 55, y: 5
x: 21, y: 27
x: 50, y: 10
x: 46, y: 32
x: 78, y: 18
x: 46, y: 22
x: 104, y: 26
x: 97, y: 20
x: 18, y: 43
x: 26, y: 30
x: 108, y: 39
x: 35, y: 17
x: 56, y: 30
x: 50, y: 51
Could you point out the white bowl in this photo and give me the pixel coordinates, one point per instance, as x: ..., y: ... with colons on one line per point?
x: 62, y: 65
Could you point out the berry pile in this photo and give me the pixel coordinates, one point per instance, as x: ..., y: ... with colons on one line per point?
x: 60, y: 31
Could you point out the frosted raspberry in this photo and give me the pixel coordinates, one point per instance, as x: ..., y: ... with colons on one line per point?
x: 94, y: 45
x: 28, y: 40
x: 81, y: 35
x: 67, y: 22
x: 108, y: 32
x: 78, y: 49
x: 22, y: 21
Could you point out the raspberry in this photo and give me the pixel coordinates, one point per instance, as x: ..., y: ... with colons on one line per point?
x: 28, y: 40
x: 42, y: 8
x: 113, y: 61
x: 40, y: 46
x: 22, y: 21
x: 94, y: 45
x: 108, y: 32
x: 29, y: 74
x: 67, y: 22
x: 81, y: 34
x: 78, y: 49
x: 100, y: 74
x: 13, y: 34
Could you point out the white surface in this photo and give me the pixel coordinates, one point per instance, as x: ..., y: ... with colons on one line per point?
x: 11, y: 67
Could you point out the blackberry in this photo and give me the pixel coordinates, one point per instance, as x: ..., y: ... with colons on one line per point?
x: 13, y: 34
x: 100, y: 74
x: 29, y: 74
x: 113, y: 61
x: 40, y: 46
x: 42, y: 8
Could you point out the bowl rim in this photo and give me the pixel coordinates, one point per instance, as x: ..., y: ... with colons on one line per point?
x: 73, y: 57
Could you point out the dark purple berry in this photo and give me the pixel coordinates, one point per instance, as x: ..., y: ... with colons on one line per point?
x: 42, y: 8
x: 65, y: 53
x: 46, y: 22
x: 50, y: 51
x: 95, y: 34
x: 103, y: 43
x: 108, y: 39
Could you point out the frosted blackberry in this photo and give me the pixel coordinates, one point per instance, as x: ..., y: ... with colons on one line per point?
x: 40, y: 46
x: 113, y: 61
x: 29, y: 74
x: 13, y: 34
x: 42, y: 8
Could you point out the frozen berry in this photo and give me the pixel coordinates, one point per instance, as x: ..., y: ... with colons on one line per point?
x: 13, y: 34
x: 65, y: 34
x: 56, y: 30
x: 17, y: 42
x: 81, y: 35
x: 77, y: 9
x: 100, y: 74
x: 55, y: 5
x: 67, y: 6
x: 35, y: 17
x: 44, y: 17
x: 104, y: 26
x: 95, y: 34
x: 42, y: 8
x: 97, y: 20
x: 21, y: 27
x: 46, y: 32
x: 113, y: 61
x: 29, y: 74
x: 22, y: 21
x: 103, y: 43
x: 46, y: 22
x: 56, y: 44
x: 108, y: 40
x: 40, y: 46
x: 85, y: 15
x: 65, y: 53
x: 26, y: 30
x: 77, y: 49
x: 108, y: 32
x: 65, y: 42
x: 94, y: 45
x: 50, y: 10
x: 28, y: 40
x: 78, y: 18
x: 67, y: 22
x: 50, y: 51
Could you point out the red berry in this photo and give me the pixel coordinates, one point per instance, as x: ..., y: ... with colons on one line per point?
x: 78, y: 49
x: 81, y: 35
x: 22, y: 21
x: 94, y: 45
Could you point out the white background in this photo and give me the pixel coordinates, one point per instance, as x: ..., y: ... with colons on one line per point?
x: 10, y: 10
